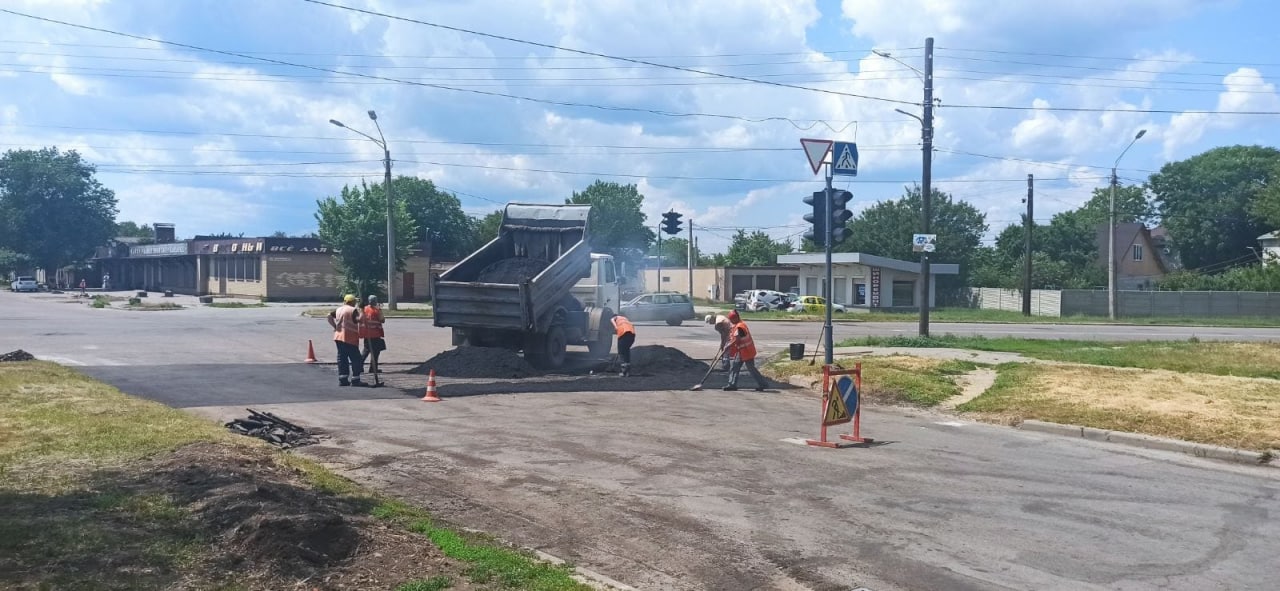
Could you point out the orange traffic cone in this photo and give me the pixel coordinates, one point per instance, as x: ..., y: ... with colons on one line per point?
x: 431, y: 388
x: 311, y: 352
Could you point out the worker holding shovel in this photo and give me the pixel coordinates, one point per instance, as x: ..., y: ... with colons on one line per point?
x: 722, y: 326
x: 742, y: 350
x: 626, y: 337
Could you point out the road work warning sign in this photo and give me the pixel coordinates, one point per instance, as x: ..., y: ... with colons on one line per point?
x: 842, y: 395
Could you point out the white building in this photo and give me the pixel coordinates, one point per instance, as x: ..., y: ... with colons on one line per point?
x: 1270, y: 243
x: 864, y: 280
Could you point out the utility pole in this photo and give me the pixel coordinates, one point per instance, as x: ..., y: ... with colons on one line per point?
x: 926, y: 179
x: 391, y: 233
x: 690, y: 257
x: 659, y: 288
x: 1031, y: 224
x: 1111, y: 230
x: 828, y: 342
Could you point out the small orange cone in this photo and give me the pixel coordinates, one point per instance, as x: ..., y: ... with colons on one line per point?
x: 311, y: 352
x: 431, y: 388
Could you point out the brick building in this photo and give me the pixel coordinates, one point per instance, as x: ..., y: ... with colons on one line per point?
x: 273, y: 269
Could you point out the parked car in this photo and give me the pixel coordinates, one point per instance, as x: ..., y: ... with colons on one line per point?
x: 24, y: 284
x: 764, y: 300
x: 672, y: 308
x: 740, y: 300
x: 815, y: 305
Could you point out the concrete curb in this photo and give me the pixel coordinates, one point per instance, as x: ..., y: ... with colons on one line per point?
x: 587, y: 577
x: 1201, y: 450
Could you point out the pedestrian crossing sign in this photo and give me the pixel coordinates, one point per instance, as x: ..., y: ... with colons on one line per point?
x: 845, y: 158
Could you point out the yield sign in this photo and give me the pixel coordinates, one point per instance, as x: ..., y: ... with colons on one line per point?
x: 816, y: 150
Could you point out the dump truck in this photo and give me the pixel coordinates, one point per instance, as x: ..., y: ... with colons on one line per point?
x: 536, y: 288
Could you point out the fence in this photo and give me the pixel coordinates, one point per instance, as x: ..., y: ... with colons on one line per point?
x: 1093, y: 302
x: 1044, y: 302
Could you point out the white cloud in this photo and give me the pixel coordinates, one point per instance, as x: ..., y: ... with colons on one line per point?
x: 1246, y: 90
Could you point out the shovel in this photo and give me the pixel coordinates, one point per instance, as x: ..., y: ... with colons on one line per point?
x: 698, y: 387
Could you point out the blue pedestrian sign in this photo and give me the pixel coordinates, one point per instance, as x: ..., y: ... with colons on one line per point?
x: 844, y: 158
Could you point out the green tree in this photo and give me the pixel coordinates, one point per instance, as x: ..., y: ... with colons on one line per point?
x: 675, y: 252
x: 437, y: 213
x: 52, y: 209
x: 885, y: 229
x: 756, y: 249
x: 1215, y: 204
x: 12, y: 262
x: 617, y: 226
x: 355, y: 225
x: 128, y: 229
x: 487, y: 227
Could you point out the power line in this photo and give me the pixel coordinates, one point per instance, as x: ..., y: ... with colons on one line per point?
x: 1062, y: 165
x: 429, y: 85
x: 607, y: 56
x: 1110, y: 58
x: 514, y: 57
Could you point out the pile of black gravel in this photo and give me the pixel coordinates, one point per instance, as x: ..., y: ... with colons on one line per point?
x: 18, y: 355
x: 662, y: 359
x: 513, y: 270
x: 478, y: 362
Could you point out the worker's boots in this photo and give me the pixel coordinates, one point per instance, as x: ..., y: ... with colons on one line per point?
x: 626, y: 370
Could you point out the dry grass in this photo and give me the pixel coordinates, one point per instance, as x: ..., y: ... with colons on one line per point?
x: 898, y: 379
x: 1235, y: 412
x: 54, y: 418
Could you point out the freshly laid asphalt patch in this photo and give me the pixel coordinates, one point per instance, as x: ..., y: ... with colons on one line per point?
x: 186, y: 386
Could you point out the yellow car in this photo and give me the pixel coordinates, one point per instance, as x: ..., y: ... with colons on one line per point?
x: 815, y: 305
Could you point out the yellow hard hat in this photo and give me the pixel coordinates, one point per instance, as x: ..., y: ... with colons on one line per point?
x: 348, y: 299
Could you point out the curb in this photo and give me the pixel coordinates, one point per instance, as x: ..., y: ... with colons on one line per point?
x: 587, y: 577
x: 1202, y: 450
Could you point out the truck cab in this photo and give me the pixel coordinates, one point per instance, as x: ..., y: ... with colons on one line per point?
x: 600, y: 289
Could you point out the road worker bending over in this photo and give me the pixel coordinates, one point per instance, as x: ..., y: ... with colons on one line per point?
x: 722, y: 326
x: 626, y: 337
x: 742, y: 350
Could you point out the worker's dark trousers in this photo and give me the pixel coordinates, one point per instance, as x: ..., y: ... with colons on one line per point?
x: 350, y: 362
x: 624, y: 347
x: 751, y: 366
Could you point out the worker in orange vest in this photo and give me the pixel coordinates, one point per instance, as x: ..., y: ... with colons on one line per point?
x: 346, y: 336
x: 742, y: 351
x: 626, y: 337
x: 372, y: 333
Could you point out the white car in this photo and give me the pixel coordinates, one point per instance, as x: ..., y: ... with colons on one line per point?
x: 763, y: 300
x: 24, y: 284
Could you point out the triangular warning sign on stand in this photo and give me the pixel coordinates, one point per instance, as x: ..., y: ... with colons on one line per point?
x: 816, y: 151
x: 837, y: 411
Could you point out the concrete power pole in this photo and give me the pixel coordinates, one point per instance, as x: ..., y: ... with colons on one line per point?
x: 690, y: 257
x: 1030, y: 224
x: 926, y: 180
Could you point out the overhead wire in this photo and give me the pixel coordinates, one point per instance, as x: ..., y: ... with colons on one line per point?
x: 658, y: 112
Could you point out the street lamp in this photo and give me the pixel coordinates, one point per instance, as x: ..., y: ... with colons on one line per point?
x: 926, y: 174
x: 381, y: 141
x: 1111, y: 231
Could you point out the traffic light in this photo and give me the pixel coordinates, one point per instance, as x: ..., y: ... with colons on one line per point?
x: 818, y: 235
x: 840, y: 216
x: 671, y: 222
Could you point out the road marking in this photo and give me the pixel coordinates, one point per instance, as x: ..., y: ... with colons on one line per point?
x: 796, y: 440
x: 949, y: 423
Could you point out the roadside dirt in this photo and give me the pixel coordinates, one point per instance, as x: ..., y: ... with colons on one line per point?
x: 208, y: 516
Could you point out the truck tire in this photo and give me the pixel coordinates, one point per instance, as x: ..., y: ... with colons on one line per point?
x: 602, y: 345
x: 555, y: 346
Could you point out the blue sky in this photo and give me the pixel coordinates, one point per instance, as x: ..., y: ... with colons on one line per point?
x: 216, y: 143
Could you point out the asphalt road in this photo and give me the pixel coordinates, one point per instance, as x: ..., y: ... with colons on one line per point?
x: 683, y: 490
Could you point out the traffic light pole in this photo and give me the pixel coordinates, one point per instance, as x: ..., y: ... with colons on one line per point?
x: 828, y: 341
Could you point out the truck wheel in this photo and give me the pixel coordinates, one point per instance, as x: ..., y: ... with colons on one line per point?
x: 554, y: 347
x: 674, y: 321
x: 602, y: 345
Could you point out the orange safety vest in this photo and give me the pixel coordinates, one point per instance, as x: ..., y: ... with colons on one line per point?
x: 371, y: 324
x: 623, y: 326
x: 740, y: 343
x: 348, y: 328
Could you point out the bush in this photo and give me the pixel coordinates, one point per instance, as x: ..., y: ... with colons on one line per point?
x: 135, y: 301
